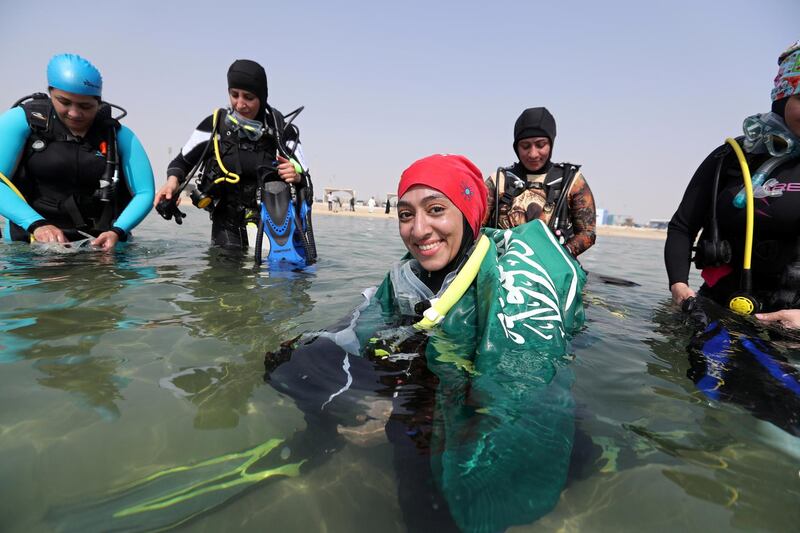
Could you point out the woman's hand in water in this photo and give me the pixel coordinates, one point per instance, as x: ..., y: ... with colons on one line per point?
x: 49, y: 233
x: 167, y: 191
x: 788, y: 318
x: 106, y: 240
x: 286, y: 171
x: 680, y: 291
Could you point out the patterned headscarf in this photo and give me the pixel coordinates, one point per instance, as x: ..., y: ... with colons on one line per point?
x: 787, y: 82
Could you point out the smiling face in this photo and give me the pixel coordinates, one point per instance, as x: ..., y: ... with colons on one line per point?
x: 534, y: 152
x: 431, y: 227
x: 244, y: 102
x: 791, y: 114
x: 76, y: 111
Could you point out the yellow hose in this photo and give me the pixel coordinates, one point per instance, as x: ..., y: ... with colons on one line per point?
x: 440, y: 306
x: 748, y: 190
x: 11, y: 185
x: 13, y: 188
x: 230, y: 177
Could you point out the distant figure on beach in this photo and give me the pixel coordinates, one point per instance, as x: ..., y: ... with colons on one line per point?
x: 241, y: 163
x: 352, y: 203
x: 536, y: 188
x: 330, y: 201
x: 771, y: 150
x: 371, y: 203
x: 69, y: 170
x: 388, y: 206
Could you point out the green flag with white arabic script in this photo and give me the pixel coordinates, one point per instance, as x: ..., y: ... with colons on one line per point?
x: 504, y: 411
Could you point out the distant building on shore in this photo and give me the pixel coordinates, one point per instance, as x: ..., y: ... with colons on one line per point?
x: 658, y: 223
x: 601, y: 217
x: 620, y: 220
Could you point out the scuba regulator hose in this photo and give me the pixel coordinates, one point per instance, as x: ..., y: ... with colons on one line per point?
x: 260, y: 231
x: 743, y: 302
x: 169, y: 208
x: 228, y: 176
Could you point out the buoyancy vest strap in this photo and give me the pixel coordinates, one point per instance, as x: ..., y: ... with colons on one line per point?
x: 558, y: 194
x: 37, y: 108
x: 505, y: 198
x: 68, y: 206
x: 558, y: 179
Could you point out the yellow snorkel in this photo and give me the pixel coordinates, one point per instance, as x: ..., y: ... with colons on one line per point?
x: 12, y: 187
x: 453, y: 293
x: 16, y: 191
x: 743, y: 302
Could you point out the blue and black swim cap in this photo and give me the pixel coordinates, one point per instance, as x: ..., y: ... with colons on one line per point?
x: 74, y: 74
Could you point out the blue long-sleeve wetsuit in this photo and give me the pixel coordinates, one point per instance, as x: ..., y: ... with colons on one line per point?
x: 136, y: 169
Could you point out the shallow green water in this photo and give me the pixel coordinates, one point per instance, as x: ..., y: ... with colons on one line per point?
x: 114, y: 369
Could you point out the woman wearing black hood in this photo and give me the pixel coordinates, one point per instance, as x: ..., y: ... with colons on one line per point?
x: 535, y: 188
x: 252, y: 144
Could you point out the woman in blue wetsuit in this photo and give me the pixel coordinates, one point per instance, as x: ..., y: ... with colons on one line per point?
x: 70, y: 169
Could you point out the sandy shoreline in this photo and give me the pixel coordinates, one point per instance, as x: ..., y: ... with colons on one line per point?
x: 614, y: 231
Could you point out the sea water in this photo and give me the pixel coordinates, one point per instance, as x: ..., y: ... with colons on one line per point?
x: 115, y: 368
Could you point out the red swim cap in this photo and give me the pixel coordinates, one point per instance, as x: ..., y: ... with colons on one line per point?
x: 456, y: 177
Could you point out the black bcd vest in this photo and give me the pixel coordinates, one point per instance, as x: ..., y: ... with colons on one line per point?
x: 250, y: 160
x: 61, y: 175
x: 556, y: 185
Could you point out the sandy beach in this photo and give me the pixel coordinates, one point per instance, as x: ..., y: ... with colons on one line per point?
x: 614, y: 231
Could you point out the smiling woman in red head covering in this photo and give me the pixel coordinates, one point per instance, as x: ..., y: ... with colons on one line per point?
x: 496, y: 308
x: 442, y: 200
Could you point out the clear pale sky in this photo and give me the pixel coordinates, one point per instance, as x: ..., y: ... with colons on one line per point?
x: 641, y: 91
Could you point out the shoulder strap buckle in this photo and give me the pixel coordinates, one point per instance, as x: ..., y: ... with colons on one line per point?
x: 37, y: 111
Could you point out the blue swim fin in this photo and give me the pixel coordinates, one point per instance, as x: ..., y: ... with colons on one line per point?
x: 778, y: 370
x: 279, y: 222
x: 305, y: 199
x: 715, y: 351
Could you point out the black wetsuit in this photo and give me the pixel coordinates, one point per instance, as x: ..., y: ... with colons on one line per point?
x: 235, y: 202
x: 331, y: 393
x: 776, y: 228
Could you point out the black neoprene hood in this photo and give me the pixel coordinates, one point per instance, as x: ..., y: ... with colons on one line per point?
x: 534, y: 122
x: 249, y: 76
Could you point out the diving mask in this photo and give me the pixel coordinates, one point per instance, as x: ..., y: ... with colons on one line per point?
x: 245, y: 127
x: 768, y: 131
